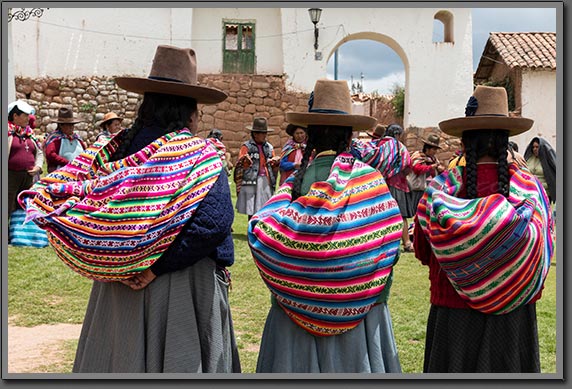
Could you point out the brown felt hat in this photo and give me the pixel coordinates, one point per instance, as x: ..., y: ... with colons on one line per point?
x: 487, y: 109
x: 174, y: 72
x: 330, y: 104
x: 432, y: 140
x: 379, y: 131
x: 259, y: 125
x: 65, y: 116
x: 109, y: 117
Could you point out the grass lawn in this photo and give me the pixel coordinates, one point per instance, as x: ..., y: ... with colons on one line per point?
x: 42, y: 290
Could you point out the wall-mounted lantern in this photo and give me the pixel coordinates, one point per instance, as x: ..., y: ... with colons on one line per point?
x: 315, y: 14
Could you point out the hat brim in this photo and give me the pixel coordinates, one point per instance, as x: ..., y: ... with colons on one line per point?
x: 357, y: 122
x: 202, y: 94
x: 71, y: 121
x: 256, y: 130
x: 110, y: 120
x: 430, y: 143
x: 372, y: 135
x: 513, y: 125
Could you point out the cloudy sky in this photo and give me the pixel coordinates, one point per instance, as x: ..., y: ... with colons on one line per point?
x: 383, y: 68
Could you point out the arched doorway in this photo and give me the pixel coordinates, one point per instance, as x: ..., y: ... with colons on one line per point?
x: 363, y: 53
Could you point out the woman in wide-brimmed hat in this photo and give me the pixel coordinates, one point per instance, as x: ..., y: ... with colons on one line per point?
x: 152, y: 211
x: 424, y: 166
x: 292, y: 151
x: 485, y: 231
x: 110, y: 125
x: 325, y: 245
x: 63, y: 144
x: 256, y: 169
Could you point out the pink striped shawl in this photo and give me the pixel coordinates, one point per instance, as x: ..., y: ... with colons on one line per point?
x: 496, y: 251
x: 110, y: 220
x: 327, y: 256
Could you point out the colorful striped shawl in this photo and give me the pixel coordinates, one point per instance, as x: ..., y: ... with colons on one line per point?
x: 291, y: 146
x: 496, y: 251
x: 327, y: 256
x: 386, y: 154
x: 110, y: 220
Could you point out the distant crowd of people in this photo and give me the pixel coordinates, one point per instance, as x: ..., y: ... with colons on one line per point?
x: 146, y: 212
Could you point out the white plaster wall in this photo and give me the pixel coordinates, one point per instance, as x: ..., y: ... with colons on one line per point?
x: 96, y: 41
x: 102, y: 41
x: 208, y: 34
x: 11, y: 80
x: 539, y: 104
x: 438, y: 75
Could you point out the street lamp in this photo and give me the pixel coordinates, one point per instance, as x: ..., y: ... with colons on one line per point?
x: 315, y: 14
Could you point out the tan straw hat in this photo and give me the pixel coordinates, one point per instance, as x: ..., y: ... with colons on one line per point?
x: 109, y: 117
x: 174, y: 72
x: 330, y: 104
x: 259, y: 125
x: 65, y: 116
x: 487, y: 109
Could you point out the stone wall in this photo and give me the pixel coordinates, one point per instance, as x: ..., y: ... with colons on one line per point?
x: 249, y: 96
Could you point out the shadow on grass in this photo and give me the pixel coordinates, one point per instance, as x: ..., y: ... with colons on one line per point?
x: 241, y: 237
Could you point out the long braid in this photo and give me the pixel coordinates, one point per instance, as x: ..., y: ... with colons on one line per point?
x: 471, y: 164
x: 320, y: 138
x: 504, y: 178
x: 478, y: 144
x: 299, y: 175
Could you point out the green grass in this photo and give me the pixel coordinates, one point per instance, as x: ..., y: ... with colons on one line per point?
x: 42, y: 290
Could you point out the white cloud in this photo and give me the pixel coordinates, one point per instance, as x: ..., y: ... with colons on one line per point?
x: 385, y: 84
x: 382, y: 85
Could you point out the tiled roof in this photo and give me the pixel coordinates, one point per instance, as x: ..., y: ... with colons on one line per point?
x: 525, y: 50
x: 534, y: 50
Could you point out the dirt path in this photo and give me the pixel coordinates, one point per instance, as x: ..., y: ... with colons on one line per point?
x: 29, y: 348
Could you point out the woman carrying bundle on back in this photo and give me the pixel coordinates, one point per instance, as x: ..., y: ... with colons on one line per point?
x: 486, y: 233
x: 325, y: 245
x: 151, y: 210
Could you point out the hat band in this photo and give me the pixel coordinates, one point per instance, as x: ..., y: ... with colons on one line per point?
x: 165, y: 79
x: 321, y: 110
x: 492, y: 114
x: 325, y: 110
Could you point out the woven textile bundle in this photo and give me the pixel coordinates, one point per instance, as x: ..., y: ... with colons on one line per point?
x: 110, y: 220
x: 326, y: 257
x: 496, y: 251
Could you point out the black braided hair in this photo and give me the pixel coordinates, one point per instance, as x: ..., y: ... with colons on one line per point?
x: 320, y: 138
x: 479, y: 143
x: 169, y: 112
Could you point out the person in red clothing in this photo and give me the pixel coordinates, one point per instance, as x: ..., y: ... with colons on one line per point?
x: 475, y: 324
x: 424, y: 166
x: 63, y: 144
x: 25, y: 157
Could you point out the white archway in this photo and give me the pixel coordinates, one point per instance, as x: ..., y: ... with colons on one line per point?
x: 392, y: 44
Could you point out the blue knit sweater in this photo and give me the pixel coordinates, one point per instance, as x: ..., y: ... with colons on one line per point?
x: 207, y: 233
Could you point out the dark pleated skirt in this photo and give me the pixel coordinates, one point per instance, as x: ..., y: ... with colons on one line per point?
x: 406, y: 207
x: 414, y: 197
x: 368, y: 348
x: 180, y: 323
x: 467, y: 341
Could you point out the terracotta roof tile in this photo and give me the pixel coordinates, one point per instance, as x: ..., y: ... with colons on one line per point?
x: 535, y: 50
